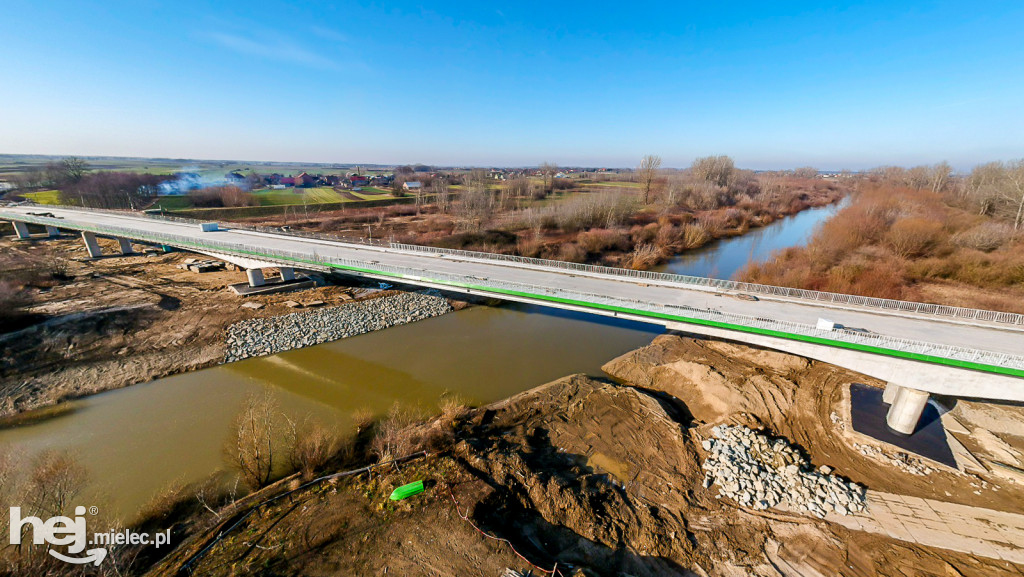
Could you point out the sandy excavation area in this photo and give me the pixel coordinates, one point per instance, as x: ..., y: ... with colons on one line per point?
x: 604, y: 477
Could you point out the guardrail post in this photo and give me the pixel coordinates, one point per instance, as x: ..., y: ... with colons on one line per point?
x: 91, y: 246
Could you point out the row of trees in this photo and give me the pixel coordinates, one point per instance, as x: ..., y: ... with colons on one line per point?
x: 993, y: 189
x: 112, y: 190
x: 55, y: 174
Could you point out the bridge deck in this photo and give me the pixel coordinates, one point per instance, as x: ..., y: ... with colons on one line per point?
x: 481, y: 272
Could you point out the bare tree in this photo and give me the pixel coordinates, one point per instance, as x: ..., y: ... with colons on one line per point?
x: 982, y: 186
x: 312, y: 445
x: 254, y: 436
x: 648, y: 170
x: 805, y: 172
x: 442, y: 194
x: 73, y: 169
x: 939, y: 176
x: 476, y: 203
x: 1012, y: 191
x: 548, y: 170
x: 715, y: 169
x: 56, y: 479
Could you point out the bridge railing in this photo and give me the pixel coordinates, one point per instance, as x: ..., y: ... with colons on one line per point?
x: 582, y: 299
x: 728, y: 285
x: 686, y: 280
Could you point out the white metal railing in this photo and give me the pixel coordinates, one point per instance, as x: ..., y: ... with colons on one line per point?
x: 819, y: 296
x: 578, y: 298
x: 693, y: 281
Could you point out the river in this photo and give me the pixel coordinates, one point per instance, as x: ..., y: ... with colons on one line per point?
x: 139, y: 440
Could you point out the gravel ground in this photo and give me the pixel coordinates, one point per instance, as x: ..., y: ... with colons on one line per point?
x: 271, y: 335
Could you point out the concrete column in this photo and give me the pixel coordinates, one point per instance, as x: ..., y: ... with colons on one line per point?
x: 20, y: 228
x: 91, y: 245
x: 906, y: 410
x: 255, y: 277
x: 889, y: 395
x: 287, y: 273
x: 52, y: 231
x: 126, y: 245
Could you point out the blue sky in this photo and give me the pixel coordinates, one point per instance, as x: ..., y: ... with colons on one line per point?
x: 773, y: 84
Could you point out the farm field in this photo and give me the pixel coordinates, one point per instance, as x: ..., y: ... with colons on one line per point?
x: 283, y: 197
x: 44, y: 196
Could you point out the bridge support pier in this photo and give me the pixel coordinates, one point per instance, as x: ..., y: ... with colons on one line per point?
x: 255, y: 277
x: 20, y: 229
x: 889, y: 395
x: 91, y: 245
x: 287, y: 273
x: 125, y: 245
x: 905, y: 409
x: 52, y: 231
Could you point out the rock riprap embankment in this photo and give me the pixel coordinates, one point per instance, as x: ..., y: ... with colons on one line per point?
x: 270, y: 335
x: 759, y: 473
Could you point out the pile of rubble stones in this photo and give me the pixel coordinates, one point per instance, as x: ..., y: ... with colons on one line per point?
x: 272, y: 335
x: 759, y: 473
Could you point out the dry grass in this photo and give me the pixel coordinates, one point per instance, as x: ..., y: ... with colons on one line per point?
x: 395, y: 436
x: 311, y: 446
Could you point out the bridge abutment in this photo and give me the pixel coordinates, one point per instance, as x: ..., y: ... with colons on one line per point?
x: 905, y: 409
x: 91, y: 245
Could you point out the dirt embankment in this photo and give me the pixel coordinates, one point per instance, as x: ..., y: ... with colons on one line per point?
x: 117, y: 321
x: 592, y: 477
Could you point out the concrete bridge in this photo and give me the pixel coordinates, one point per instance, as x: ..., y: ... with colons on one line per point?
x: 918, y: 349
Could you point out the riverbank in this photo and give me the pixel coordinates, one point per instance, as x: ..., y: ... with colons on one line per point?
x: 590, y: 477
x: 117, y: 321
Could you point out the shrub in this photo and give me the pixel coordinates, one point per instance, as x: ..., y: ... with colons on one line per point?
x: 599, y: 240
x: 914, y: 237
x: 644, y: 256
x: 254, y: 440
x: 311, y: 446
x: 694, y: 236
x: 571, y: 252
x: 985, y: 237
x: 394, y: 437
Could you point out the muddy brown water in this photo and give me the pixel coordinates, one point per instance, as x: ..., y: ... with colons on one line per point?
x: 139, y: 440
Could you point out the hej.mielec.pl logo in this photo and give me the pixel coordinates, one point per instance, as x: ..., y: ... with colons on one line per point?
x: 70, y: 532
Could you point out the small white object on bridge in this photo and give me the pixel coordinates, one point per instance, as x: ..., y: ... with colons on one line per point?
x: 209, y: 227
x: 826, y: 325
